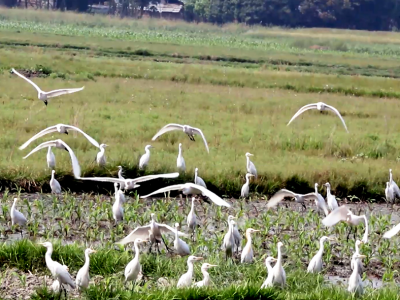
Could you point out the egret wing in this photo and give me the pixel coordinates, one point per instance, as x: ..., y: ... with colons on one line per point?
x: 278, y: 197
x: 60, y: 92
x: 41, y: 146
x: 174, y: 187
x: 166, y: 128
x: 75, y: 164
x: 151, y: 177
x: 168, y: 229
x: 310, y: 196
x: 331, y: 108
x: 392, y: 232
x: 301, y: 110
x: 138, y: 233
x: 203, y: 137
x: 63, y: 276
x: 31, y: 82
x: 214, y: 198
x: 339, y: 214
x: 38, y: 135
x: 88, y: 137
x: 104, y: 179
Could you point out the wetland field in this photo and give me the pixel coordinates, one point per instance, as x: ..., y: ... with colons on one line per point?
x: 241, y: 85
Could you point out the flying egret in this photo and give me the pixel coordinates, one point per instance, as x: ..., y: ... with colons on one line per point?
x: 186, y: 279
x: 61, y: 128
x: 236, y: 234
x: 268, y: 282
x: 120, y: 176
x: 393, y: 184
x: 229, y: 240
x: 357, y: 261
x: 190, y: 131
x: 330, y: 199
x: 316, y: 263
x: 320, y: 201
x: 194, y: 189
x: 82, y: 278
x: 55, y: 287
x: 180, y: 161
x: 246, y: 187
x: 58, y: 271
x: 16, y: 216
x: 192, y: 219
x: 144, y: 160
x: 206, y: 276
x: 117, y: 209
x: 299, y: 198
x: 392, y: 232
x: 60, y: 145
x: 51, y: 159
x: 389, y: 193
x: 181, y: 248
x: 152, y: 232
x: 278, y: 273
x: 251, y: 168
x: 198, y: 180
x: 342, y: 213
x: 131, y: 183
x: 47, y: 95
x: 355, y: 280
x: 54, y: 184
x: 101, y: 155
x: 247, y: 252
x: 321, y: 107
x: 133, y: 268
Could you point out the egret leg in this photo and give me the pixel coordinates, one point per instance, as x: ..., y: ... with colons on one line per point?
x: 168, y: 249
x: 348, y: 235
x: 304, y: 206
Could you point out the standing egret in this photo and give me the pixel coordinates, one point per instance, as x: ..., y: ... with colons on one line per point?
x: 236, y: 234
x: 389, y: 193
x: 16, y: 216
x: 61, y: 128
x: 192, y: 188
x: 246, y: 187
x: 357, y: 261
x: 394, y: 185
x: 316, y: 263
x: 152, y: 232
x: 247, y: 252
x: 355, y: 280
x: 192, y: 219
x: 186, y: 279
x: 320, y: 201
x: 180, y: 161
x: 118, y: 192
x: 189, y: 130
x: 42, y: 95
x: 58, y: 271
x: 82, y: 278
x: 60, y: 145
x: 101, y: 156
x: 299, y: 198
x: 342, y: 213
x: 51, y: 159
x: 268, y: 282
x: 133, y: 268
x: 251, y: 168
x: 278, y: 273
x: 206, y: 276
x: 117, y: 209
x: 144, y: 160
x: 321, y: 107
x: 330, y: 199
x: 181, y: 248
x: 229, y: 240
x: 54, y: 184
x: 120, y: 176
x: 198, y: 180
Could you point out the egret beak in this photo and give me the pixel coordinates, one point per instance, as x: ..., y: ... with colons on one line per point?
x: 361, y: 256
x: 256, y: 230
x: 274, y: 259
x: 93, y: 251
x: 213, y: 265
x: 198, y: 258
x: 332, y: 239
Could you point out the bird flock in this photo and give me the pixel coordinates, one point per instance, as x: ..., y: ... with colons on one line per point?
x: 153, y: 232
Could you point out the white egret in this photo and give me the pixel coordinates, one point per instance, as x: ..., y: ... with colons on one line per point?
x: 299, y: 198
x: 392, y: 232
x: 144, y: 160
x: 236, y: 234
x: 278, y: 273
x: 342, y: 213
x: 16, y: 216
x: 190, y: 131
x: 55, y: 287
x: 152, y: 232
x: 251, y: 168
x: 198, y: 180
x: 330, y: 199
x: 51, y: 159
x: 246, y: 187
x: 60, y: 145
x: 247, y: 252
x: 229, y: 240
x: 191, y: 218
x: 61, y: 128
x: 194, y: 189
x: 117, y: 209
x: 58, y: 271
x: 268, y: 282
x: 316, y: 264
x: 54, y: 184
x: 357, y: 261
x: 47, y: 95
x: 355, y: 280
x: 320, y: 201
x: 321, y: 107
x: 180, y: 161
x: 389, y: 193
x: 120, y: 176
x: 180, y: 247
x: 393, y: 184
x: 118, y: 192
x: 206, y: 276
x: 133, y: 268
x: 101, y: 156
x: 186, y: 279
x: 82, y: 278
x: 131, y: 183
